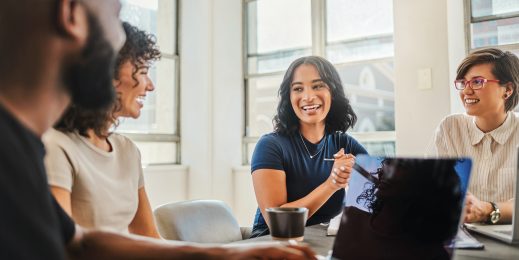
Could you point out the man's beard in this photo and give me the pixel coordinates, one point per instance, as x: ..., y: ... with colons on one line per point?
x: 89, y: 81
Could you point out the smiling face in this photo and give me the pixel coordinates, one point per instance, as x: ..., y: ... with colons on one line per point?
x: 132, y: 86
x: 488, y: 100
x: 310, y: 96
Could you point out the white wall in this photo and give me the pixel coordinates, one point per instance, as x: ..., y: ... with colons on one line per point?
x: 165, y: 184
x: 421, y: 42
x: 196, y: 89
x: 211, y: 96
x: 228, y: 110
x: 457, y: 48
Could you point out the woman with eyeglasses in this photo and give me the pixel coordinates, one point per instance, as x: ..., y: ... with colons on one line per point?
x: 307, y: 160
x: 487, y: 81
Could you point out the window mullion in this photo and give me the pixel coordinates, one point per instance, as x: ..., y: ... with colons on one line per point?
x: 468, y: 35
x: 318, y: 27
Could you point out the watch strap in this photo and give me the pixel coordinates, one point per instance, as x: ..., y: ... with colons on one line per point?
x: 495, y: 211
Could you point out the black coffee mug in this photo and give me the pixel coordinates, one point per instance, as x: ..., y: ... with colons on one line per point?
x: 287, y: 223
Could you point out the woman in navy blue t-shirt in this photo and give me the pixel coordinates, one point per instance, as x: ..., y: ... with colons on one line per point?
x: 307, y: 160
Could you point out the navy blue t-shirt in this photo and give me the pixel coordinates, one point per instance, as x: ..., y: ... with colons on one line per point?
x: 303, y: 174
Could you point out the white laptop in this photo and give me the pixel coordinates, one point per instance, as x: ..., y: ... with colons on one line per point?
x: 508, y: 233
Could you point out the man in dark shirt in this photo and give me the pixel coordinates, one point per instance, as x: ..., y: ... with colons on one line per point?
x: 52, y: 51
x: 29, y: 214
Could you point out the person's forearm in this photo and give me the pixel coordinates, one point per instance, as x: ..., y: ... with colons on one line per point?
x: 314, y: 200
x: 107, y: 245
x: 506, y: 209
x: 142, y: 229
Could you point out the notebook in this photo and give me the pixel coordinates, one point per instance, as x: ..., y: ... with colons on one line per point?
x: 402, y: 208
x: 507, y: 233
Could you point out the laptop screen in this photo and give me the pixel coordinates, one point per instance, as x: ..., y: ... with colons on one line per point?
x: 402, y: 208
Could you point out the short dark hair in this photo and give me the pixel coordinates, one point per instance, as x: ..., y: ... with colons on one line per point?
x: 505, y: 69
x: 340, y: 117
x: 139, y: 48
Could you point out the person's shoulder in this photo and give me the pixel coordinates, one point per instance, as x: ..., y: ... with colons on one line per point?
x: 54, y: 137
x: 121, y: 141
x: 349, y: 143
x: 455, y: 120
x: 273, y: 141
x: 347, y: 137
x: 342, y: 135
x: 273, y: 137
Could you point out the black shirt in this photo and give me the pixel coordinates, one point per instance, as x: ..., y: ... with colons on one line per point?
x: 32, y: 224
x: 291, y: 154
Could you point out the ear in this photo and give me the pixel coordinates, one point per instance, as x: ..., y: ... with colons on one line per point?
x: 72, y: 20
x: 509, y: 89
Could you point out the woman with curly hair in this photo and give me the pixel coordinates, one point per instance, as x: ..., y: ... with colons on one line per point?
x: 94, y: 174
x: 307, y: 160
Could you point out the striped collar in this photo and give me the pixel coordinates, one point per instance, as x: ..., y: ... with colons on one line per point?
x: 500, y: 134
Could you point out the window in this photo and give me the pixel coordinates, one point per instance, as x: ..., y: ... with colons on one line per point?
x: 493, y: 23
x: 355, y: 35
x: 156, y: 131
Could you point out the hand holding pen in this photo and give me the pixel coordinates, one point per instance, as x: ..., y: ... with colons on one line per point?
x: 341, y: 169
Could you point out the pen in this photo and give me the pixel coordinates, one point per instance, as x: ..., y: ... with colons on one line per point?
x: 365, y: 173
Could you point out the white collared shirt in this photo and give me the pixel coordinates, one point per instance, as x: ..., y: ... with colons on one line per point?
x: 494, y: 154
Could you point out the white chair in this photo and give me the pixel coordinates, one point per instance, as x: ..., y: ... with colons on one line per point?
x: 201, y: 221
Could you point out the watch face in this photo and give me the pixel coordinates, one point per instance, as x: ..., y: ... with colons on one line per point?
x: 494, y: 217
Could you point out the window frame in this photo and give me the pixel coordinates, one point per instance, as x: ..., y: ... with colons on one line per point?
x: 174, y: 137
x: 469, y: 20
x: 318, y: 30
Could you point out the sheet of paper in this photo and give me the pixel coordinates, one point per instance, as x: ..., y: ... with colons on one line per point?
x: 465, y: 240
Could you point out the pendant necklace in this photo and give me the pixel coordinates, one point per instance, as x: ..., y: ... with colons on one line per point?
x: 306, y: 148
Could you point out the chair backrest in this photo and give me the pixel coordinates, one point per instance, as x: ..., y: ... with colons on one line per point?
x: 201, y: 221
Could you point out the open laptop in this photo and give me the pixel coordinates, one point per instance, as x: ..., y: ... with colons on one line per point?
x: 401, y: 182
x: 507, y: 233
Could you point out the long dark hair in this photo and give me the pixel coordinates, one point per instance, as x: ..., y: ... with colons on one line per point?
x: 340, y: 117
x: 139, y: 48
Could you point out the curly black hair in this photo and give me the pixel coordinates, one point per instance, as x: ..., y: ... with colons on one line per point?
x: 432, y: 198
x: 340, y: 117
x: 139, y: 48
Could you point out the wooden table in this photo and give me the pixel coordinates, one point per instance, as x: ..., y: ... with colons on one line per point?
x: 315, y: 236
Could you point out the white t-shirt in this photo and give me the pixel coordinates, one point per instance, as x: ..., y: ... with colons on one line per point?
x: 494, y: 154
x: 104, y: 185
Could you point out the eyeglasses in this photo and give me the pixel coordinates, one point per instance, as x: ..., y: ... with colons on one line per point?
x: 477, y: 83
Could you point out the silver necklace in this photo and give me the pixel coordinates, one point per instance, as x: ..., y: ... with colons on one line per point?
x: 306, y: 148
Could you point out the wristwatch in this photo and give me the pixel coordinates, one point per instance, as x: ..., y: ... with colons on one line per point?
x: 495, y: 215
